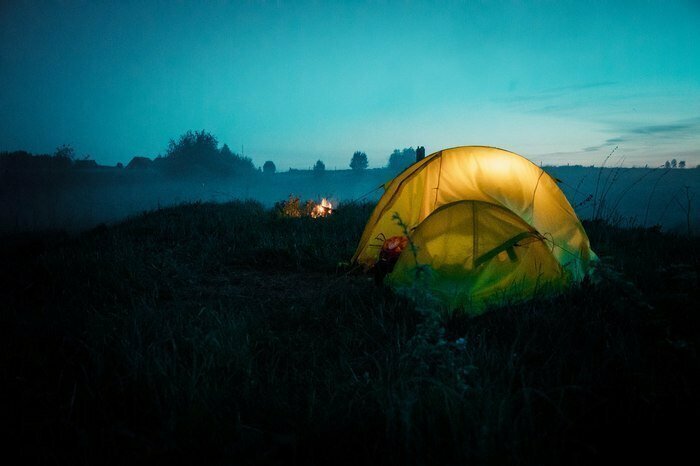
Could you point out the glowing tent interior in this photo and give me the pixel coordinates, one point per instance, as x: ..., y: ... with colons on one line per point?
x: 484, y: 223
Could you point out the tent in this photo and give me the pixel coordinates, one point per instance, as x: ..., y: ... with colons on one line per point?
x: 482, y: 224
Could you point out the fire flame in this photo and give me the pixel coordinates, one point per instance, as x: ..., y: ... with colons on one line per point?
x: 323, y: 209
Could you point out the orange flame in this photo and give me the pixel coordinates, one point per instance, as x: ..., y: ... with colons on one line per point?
x: 323, y: 209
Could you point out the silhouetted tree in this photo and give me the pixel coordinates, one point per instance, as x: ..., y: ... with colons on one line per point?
x: 359, y: 161
x: 238, y: 163
x: 667, y: 164
x: 681, y: 164
x: 64, y: 152
x: 198, y: 153
x: 319, y: 167
x: 420, y: 153
x: 192, y: 146
x: 269, y: 167
x: 226, y: 152
x: 400, y: 159
x: 194, y: 153
x: 674, y: 163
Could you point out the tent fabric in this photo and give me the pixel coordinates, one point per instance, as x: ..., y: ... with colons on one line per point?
x: 476, y: 252
x: 486, y: 174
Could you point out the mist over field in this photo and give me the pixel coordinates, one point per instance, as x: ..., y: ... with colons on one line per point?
x: 75, y: 197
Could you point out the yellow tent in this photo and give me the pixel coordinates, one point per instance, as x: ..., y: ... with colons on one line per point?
x: 517, y: 233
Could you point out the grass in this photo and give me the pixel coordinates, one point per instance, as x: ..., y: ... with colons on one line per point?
x: 223, y: 334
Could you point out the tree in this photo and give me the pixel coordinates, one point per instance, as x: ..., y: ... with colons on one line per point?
x: 226, y: 152
x: 238, y: 163
x: 269, y: 167
x: 192, y: 146
x: 673, y: 163
x: 64, y: 152
x: 681, y: 164
x: 400, y: 159
x: 197, y: 153
x: 667, y: 164
x: 63, y: 157
x: 192, y: 154
x: 359, y: 161
x: 319, y: 167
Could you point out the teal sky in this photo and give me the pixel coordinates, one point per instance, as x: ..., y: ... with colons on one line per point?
x: 559, y: 82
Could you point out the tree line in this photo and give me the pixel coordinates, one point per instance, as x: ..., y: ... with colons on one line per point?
x: 198, y: 153
x: 193, y: 153
x: 398, y: 160
x: 675, y: 164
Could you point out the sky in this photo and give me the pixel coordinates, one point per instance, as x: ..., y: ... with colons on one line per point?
x: 293, y: 81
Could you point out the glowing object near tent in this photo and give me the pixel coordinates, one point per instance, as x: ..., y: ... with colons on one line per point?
x: 323, y: 209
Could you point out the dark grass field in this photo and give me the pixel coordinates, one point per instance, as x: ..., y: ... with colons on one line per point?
x: 223, y: 334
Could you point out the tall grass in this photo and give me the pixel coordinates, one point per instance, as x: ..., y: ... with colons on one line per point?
x: 226, y: 334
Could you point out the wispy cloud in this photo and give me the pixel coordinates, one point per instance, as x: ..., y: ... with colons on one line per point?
x: 632, y: 133
x: 599, y: 115
x: 666, y: 129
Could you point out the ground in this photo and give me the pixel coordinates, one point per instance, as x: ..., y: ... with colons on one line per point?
x: 225, y: 334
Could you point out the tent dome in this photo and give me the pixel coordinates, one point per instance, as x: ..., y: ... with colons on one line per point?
x: 508, y: 194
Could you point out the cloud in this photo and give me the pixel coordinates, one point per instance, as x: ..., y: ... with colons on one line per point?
x: 631, y: 133
x: 663, y: 129
x: 688, y: 127
x: 615, y: 140
x: 608, y: 143
x: 605, y: 114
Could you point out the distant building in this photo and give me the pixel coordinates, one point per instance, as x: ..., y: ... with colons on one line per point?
x: 139, y: 163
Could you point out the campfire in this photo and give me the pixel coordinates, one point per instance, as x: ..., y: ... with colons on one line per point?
x: 322, y: 210
x: 294, y: 208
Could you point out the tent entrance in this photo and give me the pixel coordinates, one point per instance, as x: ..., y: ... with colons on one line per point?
x: 448, y: 261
